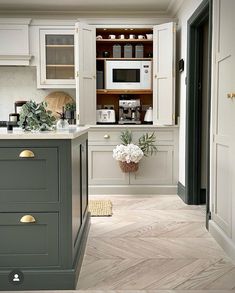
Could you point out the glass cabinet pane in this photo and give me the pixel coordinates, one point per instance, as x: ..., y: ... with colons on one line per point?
x: 59, y: 56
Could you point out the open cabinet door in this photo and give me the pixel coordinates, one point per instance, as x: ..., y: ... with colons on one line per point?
x: 85, y: 60
x: 164, y: 73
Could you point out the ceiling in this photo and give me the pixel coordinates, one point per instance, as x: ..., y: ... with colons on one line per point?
x: 158, y: 6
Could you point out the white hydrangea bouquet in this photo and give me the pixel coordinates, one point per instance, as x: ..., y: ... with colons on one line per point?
x: 129, y: 154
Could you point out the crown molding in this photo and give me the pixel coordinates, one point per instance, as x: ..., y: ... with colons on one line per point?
x: 13, y: 20
x: 74, y: 13
x: 174, y: 7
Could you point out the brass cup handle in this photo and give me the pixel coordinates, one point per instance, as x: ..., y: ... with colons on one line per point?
x: 106, y: 136
x: 26, y: 154
x: 28, y: 219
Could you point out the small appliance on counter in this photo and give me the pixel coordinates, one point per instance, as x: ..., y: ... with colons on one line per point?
x: 148, y: 118
x: 129, y: 110
x: 105, y: 116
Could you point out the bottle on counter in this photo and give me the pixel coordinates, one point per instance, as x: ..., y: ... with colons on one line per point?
x: 62, y: 123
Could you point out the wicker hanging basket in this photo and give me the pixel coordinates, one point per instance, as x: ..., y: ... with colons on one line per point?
x: 128, y: 167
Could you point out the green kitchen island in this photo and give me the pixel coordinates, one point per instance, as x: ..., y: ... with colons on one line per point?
x: 44, y: 219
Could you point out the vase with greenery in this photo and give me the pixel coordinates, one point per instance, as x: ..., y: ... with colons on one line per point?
x: 69, y: 110
x: 35, y: 117
x: 128, y: 154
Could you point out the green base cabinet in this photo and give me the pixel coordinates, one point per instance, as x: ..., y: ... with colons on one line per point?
x: 44, y: 219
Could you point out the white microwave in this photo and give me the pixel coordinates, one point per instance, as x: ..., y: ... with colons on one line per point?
x: 134, y: 74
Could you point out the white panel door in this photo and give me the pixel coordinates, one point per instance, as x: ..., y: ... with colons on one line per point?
x: 164, y: 73
x: 223, y: 113
x: 85, y: 58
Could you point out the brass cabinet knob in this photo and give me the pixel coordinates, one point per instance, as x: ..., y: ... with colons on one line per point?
x: 26, y: 154
x: 106, y: 136
x: 27, y: 219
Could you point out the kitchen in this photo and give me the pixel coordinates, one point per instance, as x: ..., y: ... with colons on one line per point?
x: 121, y: 70
x: 133, y: 103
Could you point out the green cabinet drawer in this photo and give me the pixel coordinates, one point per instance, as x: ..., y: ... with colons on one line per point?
x: 29, y: 179
x: 29, y: 244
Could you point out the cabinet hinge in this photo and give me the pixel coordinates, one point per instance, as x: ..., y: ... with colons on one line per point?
x: 173, y: 117
x: 78, y: 116
x: 77, y: 74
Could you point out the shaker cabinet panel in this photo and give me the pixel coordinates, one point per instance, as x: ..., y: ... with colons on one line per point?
x: 85, y: 55
x: 29, y: 179
x: 84, y: 181
x: 103, y: 168
x: 164, y: 74
x: 29, y: 244
x: 14, y: 36
x: 157, y: 169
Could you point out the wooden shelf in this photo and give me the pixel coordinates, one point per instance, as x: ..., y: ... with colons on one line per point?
x: 119, y: 92
x: 147, y: 59
x: 124, y: 41
x: 60, y: 46
x: 59, y: 65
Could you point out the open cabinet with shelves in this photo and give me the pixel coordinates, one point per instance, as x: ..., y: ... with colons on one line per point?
x: 120, y: 54
x: 105, y: 73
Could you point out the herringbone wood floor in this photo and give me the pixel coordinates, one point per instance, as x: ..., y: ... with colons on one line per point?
x: 154, y: 243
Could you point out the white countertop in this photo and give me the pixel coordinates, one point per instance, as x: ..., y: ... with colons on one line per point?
x: 140, y: 126
x: 18, y: 133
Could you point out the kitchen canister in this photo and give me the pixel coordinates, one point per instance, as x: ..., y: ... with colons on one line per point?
x: 128, y: 51
x: 139, y: 51
x: 117, y: 52
x: 18, y: 106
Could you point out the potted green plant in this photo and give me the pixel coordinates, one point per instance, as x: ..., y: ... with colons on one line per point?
x: 70, y: 111
x: 129, y: 154
x: 35, y: 117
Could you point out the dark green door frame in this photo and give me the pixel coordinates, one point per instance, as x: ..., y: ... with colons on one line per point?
x: 193, y: 115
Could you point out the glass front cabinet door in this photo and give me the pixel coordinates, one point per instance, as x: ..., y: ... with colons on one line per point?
x: 57, y: 67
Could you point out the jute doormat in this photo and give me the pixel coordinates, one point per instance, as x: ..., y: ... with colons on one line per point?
x: 100, y: 208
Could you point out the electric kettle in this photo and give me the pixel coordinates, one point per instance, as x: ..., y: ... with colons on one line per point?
x: 149, y: 115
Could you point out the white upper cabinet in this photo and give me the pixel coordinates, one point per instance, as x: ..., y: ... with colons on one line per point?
x: 14, y: 36
x: 57, y: 66
x: 164, y: 74
x: 85, y: 62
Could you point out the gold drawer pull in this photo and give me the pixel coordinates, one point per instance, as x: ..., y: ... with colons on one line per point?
x: 106, y: 136
x: 27, y: 219
x: 26, y: 154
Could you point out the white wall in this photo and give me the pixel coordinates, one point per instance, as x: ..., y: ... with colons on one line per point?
x: 19, y: 83
x: 183, y: 15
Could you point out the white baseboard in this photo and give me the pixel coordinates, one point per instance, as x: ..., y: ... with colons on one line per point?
x: 223, y: 240
x: 133, y: 189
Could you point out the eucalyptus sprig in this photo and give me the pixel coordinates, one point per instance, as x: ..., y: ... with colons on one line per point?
x: 34, y: 116
x: 147, y: 142
x: 126, y: 137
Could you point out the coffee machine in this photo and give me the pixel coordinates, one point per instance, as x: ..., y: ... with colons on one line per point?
x: 129, y: 110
